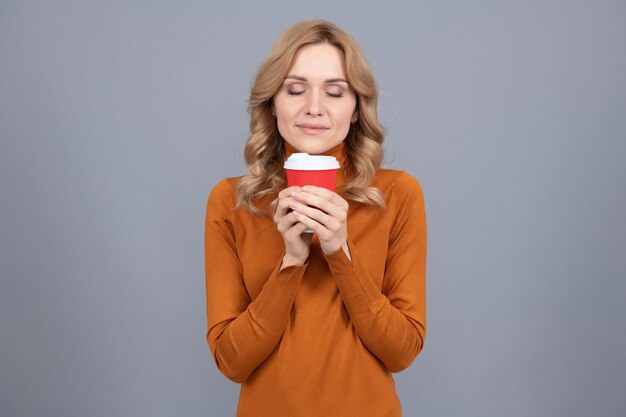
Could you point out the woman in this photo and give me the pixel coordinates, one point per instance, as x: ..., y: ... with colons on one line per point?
x: 314, y: 324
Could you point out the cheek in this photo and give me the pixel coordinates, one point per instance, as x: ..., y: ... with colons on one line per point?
x: 345, y: 114
x: 279, y: 103
x: 285, y: 108
x: 283, y: 118
x: 283, y: 111
x: 283, y: 127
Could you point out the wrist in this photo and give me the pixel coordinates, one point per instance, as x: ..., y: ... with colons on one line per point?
x: 346, y: 250
x: 291, y: 261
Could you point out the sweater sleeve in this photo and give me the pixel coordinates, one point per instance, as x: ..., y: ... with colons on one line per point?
x: 242, y: 332
x: 391, y: 322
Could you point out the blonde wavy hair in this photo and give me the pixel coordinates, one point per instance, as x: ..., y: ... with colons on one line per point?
x: 264, y: 151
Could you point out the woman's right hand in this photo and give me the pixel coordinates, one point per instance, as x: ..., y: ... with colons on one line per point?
x: 297, y: 242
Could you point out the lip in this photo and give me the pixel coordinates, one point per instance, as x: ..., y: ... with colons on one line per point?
x: 312, y: 129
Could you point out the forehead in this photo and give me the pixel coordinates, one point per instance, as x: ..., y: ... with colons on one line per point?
x: 318, y: 61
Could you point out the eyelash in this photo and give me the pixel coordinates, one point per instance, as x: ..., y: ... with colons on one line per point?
x: 297, y: 93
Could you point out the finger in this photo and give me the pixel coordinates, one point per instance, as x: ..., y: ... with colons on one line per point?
x: 282, y: 207
x: 286, y: 192
x: 295, y: 234
x: 330, y: 223
x: 331, y: 196
x: 286, y: 223
x: 321, y: 203
x: 310, y: 224
x: 298, y: 229
x: 311, y: 212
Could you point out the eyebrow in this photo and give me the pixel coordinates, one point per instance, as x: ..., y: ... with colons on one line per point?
x: 329, y: 81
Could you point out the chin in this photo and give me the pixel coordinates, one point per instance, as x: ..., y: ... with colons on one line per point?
x: 313, y: 148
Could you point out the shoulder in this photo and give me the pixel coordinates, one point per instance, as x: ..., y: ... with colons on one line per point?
x: 225, y: 186
x: 405, y: 200
x: 398, y: 182
x: 223, y: 195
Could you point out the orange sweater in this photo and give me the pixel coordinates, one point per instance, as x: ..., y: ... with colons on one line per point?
x: 319, y: 339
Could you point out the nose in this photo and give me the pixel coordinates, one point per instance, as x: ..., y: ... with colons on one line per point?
x: 314, y: 105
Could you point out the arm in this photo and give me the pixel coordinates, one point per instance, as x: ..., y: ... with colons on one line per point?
x: 391, y: 322
x: 241, y: 333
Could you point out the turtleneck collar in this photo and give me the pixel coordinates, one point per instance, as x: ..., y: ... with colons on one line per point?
x: 337, y: 151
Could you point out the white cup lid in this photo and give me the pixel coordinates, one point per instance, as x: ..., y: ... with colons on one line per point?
x: 305, y: 162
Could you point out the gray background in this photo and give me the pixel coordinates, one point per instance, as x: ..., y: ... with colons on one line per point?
x: 118, y: 117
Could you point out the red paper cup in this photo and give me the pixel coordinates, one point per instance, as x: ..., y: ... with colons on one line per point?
x: 321, y: 178
x: 319, y: 170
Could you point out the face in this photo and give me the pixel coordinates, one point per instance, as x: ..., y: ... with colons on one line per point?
x: 315, y: 105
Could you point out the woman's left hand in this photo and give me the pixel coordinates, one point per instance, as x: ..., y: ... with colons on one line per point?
x: 326, y: 214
